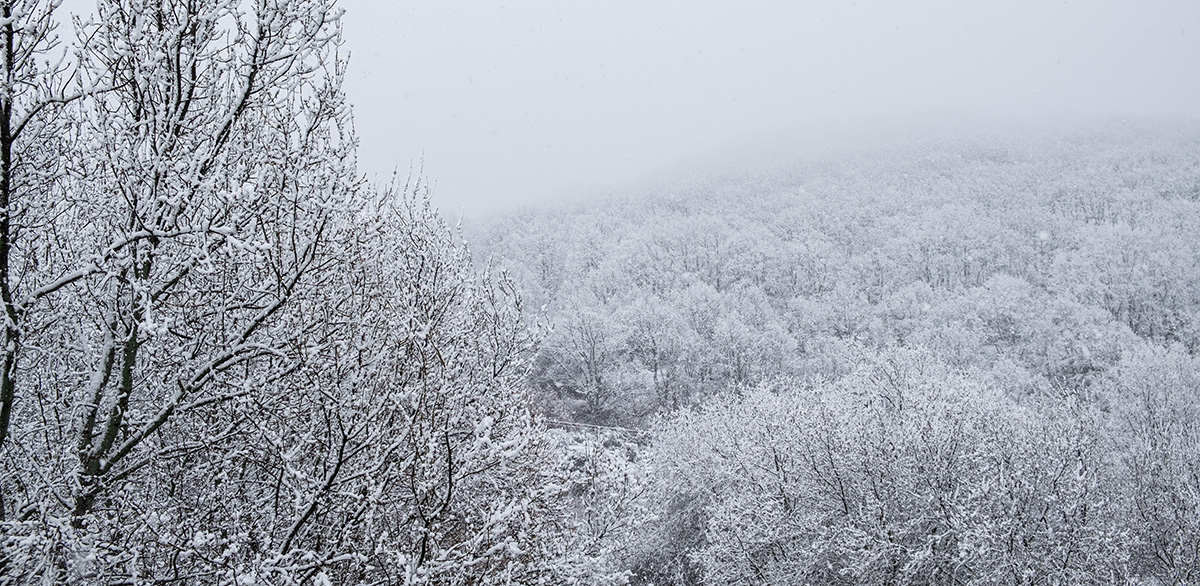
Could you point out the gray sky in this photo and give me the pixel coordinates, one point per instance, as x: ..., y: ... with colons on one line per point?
x: 519, y: 102
x: 514, y: 102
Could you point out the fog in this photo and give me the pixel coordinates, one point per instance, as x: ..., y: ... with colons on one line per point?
x: 506, y: 103
x: 498, y: 104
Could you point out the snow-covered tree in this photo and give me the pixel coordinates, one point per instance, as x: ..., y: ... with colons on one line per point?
x: 201, y: 157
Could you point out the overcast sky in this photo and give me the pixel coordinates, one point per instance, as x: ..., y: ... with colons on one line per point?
x: 522, y: 101
x: 505, y: 103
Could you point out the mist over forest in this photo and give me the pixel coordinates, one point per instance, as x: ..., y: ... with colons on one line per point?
x: 939, y: 351
x: 961, y: 360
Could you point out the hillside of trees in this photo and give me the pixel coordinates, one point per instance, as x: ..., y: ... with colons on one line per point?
x: 964, y: 360
x: 230, y: 359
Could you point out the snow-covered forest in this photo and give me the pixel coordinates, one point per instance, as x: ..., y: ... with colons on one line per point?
x: 229, y: 358
x: 970, y: 360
